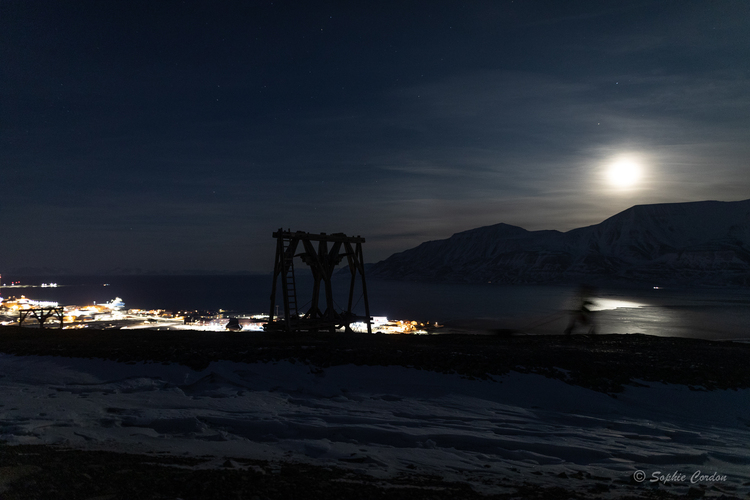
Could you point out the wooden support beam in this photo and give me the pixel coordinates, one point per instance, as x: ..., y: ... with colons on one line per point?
x: 322, y: 262
x: 319, y: 237
x: 41, y: 314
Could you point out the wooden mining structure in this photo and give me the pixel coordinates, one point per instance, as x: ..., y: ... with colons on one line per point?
x: 322, y: 261
x: 42, y: 314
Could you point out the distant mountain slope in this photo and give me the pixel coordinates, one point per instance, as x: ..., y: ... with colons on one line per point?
x: 705, y: 242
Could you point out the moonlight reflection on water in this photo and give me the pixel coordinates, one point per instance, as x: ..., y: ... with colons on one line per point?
x: 533, y: 309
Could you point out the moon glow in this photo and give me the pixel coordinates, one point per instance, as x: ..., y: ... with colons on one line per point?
x: 624, y: 173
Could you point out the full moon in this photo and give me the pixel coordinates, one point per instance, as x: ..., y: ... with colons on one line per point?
x: 624, y: 173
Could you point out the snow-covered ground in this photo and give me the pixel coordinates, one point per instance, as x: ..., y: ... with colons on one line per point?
x: 386, y: 420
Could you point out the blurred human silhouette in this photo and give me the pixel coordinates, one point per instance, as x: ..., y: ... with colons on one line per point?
x: 234, y: 325
x: 582, y: 312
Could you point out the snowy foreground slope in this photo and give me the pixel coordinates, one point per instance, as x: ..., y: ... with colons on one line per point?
x: 388, y: 420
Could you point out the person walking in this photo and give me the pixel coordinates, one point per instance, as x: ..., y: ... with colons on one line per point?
x: 582, y: 313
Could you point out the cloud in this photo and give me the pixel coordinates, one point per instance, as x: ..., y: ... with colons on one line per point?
x: 505, y: 113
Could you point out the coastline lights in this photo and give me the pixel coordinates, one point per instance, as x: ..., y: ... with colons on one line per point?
x: 381, y: 324
x: 24, y: 303
x: 113, y: 314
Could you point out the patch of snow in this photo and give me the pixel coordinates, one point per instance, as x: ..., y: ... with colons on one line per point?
x: 383, y: 420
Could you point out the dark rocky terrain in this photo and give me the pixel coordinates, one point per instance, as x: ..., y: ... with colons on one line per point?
x: 601, y: 362
x: 46, y: 473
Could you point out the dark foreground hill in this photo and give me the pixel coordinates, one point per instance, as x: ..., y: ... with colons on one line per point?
x: 605, y: 363
x: 699, y: 243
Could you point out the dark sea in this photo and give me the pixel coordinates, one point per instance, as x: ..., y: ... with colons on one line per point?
x: 720, y: 314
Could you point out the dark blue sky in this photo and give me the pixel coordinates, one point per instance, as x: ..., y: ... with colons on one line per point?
x: 179, y: 135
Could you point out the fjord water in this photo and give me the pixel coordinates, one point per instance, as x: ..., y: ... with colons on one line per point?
x: 717, y: 313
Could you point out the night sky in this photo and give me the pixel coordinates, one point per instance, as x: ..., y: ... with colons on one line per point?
x: 178, y: 136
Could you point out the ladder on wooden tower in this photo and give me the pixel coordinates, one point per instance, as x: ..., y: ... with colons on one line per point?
x: 290, y: 285
x: 322, y: 265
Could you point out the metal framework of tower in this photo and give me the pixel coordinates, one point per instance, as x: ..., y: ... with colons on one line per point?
x: 322, y: 261
x: 42, y: 314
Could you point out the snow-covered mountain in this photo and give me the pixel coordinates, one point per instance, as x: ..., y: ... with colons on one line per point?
x: 698, y: 243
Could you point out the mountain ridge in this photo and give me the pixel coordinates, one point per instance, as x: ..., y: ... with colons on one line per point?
x: 693, y: 243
